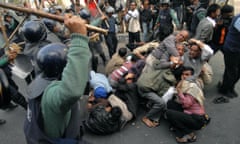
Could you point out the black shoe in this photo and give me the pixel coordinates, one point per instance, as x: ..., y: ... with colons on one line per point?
x: 220, y: 100
x: 2, y: 121
x: 10, y: 106
x: 219, y: 85
x: 233, y: 93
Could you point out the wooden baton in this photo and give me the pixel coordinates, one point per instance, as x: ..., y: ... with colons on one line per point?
x: 48, y: 15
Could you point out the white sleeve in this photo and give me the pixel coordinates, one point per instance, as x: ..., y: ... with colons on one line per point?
x: 207, y: 52
x: 134, y: 14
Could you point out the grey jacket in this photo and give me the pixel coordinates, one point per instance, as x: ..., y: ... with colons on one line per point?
x: 204, y: 31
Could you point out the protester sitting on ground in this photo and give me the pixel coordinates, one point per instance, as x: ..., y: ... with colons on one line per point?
x: 168, y: 44
x: 166, y: 61
x: 167, y: 48
x: 197, y: 55
x: 110, y: 115
x: 153, y: 86
x: 156, y: 80
x: 121, y: 72
x: 142, y: 50
x: 116, y: 61
x: 100, y: 85
x: 169, y: 61
x: 136, y: 70
x: 188, y: 115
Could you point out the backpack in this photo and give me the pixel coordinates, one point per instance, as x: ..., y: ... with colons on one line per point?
x: 33, y: 126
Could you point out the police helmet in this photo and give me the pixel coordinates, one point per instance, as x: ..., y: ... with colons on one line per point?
x: 109, y: 9
x: 84, y: 13
x: 11, y: 14
x: 34, y: 31
x: 7, y: 14
x: 52, y: 59
x: 165, y: 2
x: 50, y: 24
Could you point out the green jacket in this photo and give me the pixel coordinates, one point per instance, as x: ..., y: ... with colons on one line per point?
x: 157, y: 81
x: 59, y: 96
x: 3, y: 60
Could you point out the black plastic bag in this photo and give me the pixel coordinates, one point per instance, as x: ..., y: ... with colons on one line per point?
x: 101, y: 122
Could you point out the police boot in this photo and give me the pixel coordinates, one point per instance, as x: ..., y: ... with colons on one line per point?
x: 95, y: 63
x: 20, y: 99
x: 2, y: 121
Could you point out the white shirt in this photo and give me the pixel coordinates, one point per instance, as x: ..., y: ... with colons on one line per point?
x: 212, y: 21
x: 134, y: 23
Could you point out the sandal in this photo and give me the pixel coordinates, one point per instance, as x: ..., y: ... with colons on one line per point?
x: 192, y: 137
x: 189, y: 138
x: 220, y: 100
x: 156, y: 123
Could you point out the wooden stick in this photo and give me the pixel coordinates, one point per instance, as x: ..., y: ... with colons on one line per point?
x: 4, y: 32
x: 15, y: 31
x: 50, y: 16
x: 101, y: 13
x: 36, y: 4
x: 226, y: 2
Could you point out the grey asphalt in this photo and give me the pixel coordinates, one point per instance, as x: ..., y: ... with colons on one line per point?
x: 224, y: 127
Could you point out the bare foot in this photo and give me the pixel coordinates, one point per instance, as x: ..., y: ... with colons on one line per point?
x: 147, y: 122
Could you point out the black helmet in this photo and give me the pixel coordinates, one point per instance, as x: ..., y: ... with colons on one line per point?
x: 84, y: 13
x: 51, y: 59
x: 50, y: 24
x: 164, y: 2
x: 34, y: 31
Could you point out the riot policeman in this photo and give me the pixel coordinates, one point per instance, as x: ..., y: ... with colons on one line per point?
x: 36, y: 36
x: 94, y: 43
x: 58, y: 88
x: 165, y: 18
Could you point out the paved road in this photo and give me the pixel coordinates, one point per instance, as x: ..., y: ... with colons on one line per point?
x: 224, y: 127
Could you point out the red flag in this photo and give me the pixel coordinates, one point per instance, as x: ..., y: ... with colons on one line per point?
x: 92, y: 7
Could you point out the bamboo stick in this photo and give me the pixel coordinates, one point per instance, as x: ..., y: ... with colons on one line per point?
x: 48, y: 15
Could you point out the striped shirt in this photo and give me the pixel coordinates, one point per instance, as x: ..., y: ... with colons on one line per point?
x: 118, y: 73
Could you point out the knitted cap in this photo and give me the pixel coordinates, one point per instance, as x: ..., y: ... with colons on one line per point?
x: 100, y: 92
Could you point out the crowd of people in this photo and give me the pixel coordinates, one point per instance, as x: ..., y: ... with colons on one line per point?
x: 163, y: 68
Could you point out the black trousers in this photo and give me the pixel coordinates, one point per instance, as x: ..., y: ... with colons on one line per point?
x: 232, y: 71
x: 112, y: 42
x: 184, y: 123
x: 10, y: 91
x: 134, y: 37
